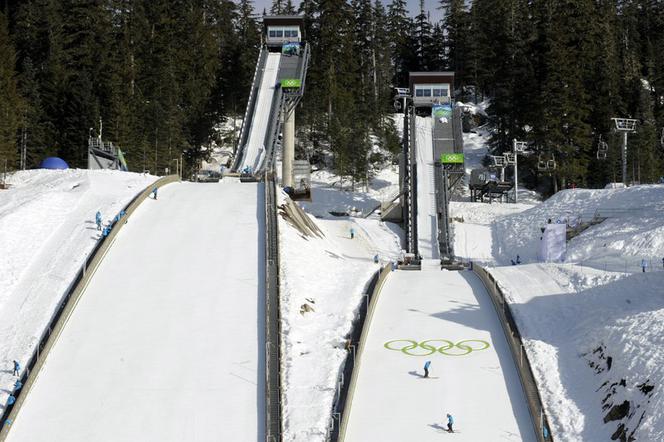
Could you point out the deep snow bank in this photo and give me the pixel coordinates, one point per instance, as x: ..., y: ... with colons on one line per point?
x: 595, y: 341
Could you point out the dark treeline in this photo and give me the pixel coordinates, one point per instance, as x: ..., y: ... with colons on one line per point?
x: 159, y: 74
x: 162, y: 73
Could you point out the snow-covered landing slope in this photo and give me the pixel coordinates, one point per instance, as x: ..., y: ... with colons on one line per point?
x: 46, y: 231
x: 166, y: 342
x: 392, y: 402
x: 595, y: 340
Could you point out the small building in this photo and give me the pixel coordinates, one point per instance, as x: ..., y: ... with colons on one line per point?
x: 429, y: 88
x: 283, y: 29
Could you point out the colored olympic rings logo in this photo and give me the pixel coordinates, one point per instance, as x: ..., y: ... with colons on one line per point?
x: 424, y: 348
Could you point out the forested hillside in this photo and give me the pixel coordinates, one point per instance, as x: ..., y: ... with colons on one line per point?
x: 162, y: 73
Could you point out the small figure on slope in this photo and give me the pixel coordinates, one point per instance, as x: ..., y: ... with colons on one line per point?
x: 427, y: 364
x: 644, y: 264
x: 98, y: 219
x: 17, y: 368
x: 450, y: 423
x: 352, y: 233
x: 154, y: 192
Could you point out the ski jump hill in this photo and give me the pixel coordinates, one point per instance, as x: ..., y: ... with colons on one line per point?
x: 442, y: 316
x: 175, y: 335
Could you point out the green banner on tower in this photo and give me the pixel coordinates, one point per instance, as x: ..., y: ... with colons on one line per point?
x: 291, y: 83
x: 451, y: 158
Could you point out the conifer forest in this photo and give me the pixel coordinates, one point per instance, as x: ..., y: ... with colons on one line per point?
x: 161, y: 75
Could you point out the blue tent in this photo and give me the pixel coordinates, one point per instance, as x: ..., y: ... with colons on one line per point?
x: 53, y: 163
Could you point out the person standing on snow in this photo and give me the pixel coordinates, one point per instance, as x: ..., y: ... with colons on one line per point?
x: 518, y: 259
x: 450, y: 422
x: 98, y: 219
x: 17, y: 368
x: 427, y: 364
x: 644, y: 264
x: 154, y: 192
x: 352, y: 233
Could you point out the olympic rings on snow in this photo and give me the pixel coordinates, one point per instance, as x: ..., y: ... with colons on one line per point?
x: 413, y: 348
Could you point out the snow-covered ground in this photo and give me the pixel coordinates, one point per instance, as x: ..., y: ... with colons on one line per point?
x: 322, y: 286
x: 592, y: 326
x: 46, y: 232
x: 595, y: 340
x: 475, y: 380
x: 166, y: 343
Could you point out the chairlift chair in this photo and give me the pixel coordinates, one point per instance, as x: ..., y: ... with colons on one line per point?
x: 602, y: 149
x: 541, y: 163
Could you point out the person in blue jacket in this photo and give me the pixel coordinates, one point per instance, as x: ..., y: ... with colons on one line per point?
x: 154, y: 192
x: 11, y: 400
x: 98, y: 219
x: 105, y: 232
x: 450, y: 422
x: 17, y: 385
x: 17, y: 368
x: 427, y: 364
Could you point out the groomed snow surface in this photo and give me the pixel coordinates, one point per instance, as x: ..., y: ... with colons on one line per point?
x: 480, y: 389
x: 427, y: 224
x: 166, y: 343
x: 254, y: 151
x: 46, y: 232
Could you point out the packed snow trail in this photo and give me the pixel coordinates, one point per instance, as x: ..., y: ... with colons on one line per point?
x: 427, y: 221
x: 254, y: 151
x: 166, y: 343
x: 392, y: 400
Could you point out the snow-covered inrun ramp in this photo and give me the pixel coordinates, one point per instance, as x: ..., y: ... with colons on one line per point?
x: 472, y: 374
x: 254, y: 151
x: 427, y: 221
x: 166, y: 343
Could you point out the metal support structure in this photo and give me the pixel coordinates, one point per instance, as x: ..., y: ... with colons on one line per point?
x: 625, y: 125
x: 288, y: 149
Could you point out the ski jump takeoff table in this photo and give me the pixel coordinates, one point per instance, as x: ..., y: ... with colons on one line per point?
x: 447, y: 318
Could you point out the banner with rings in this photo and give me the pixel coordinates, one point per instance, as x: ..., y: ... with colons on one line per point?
x: 442, y: 346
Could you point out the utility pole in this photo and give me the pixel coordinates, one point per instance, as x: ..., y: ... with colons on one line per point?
x: 625, y: 125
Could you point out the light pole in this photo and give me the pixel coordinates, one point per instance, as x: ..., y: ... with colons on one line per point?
x: 624, y: 125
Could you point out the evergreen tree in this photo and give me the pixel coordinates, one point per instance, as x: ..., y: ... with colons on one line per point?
x: 10, y: 100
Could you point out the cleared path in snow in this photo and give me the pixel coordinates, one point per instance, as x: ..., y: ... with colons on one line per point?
x: 166, y: 343
x: 427, y: 221
x: 392, y: 400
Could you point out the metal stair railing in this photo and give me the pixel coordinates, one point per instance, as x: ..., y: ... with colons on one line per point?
x: 251, y: 106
